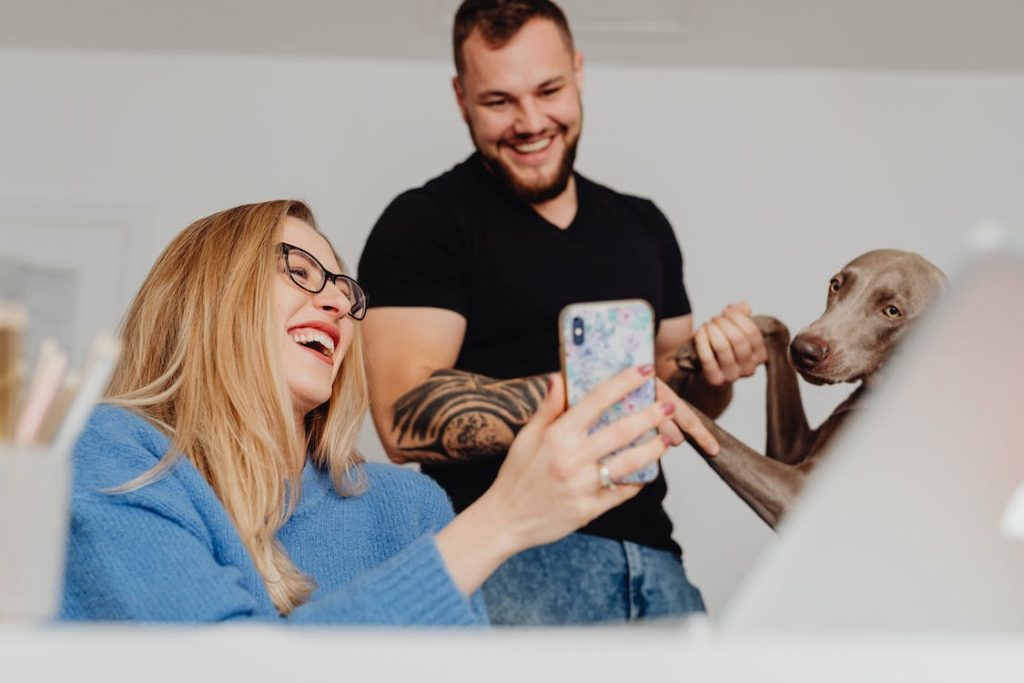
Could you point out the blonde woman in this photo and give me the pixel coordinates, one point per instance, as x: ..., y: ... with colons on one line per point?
x: 220, y: 480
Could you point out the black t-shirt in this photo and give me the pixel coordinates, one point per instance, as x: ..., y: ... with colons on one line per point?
x: 465, y: 243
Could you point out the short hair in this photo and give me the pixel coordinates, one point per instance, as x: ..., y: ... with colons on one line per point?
x: 499, y: 20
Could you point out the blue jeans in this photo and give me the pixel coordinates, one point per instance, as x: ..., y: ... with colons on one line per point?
x: 585, y: 579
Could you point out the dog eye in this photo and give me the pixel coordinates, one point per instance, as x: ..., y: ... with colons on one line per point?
x: 834, y: 285
x: 892, y: 312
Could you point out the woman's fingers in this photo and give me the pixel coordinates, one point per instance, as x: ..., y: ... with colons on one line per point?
x: 607, y: 499
x: 550, y: 408
x: 624, y: 463
x: 620, y: 466
x: 670, y: 430
x: 626, y: 430
x: 590, y: 407
x: 687, y: 420
x: 692, y: 425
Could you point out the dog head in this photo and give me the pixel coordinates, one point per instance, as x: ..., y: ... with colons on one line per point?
x: 871, y: 303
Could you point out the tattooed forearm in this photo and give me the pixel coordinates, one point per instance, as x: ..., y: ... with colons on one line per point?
x: 458, y: 416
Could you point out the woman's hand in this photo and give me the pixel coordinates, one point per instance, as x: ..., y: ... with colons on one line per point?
x: 550, y: 483
x: 683, y: 420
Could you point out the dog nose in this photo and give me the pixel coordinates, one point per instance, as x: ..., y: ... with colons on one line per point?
x: 808, y: 351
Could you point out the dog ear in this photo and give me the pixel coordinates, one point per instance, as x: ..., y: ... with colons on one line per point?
x: 936, y: 274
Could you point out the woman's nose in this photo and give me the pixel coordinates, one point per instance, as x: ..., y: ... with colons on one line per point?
x: 333, y: 300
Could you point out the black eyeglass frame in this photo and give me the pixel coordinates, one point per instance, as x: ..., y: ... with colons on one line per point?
x: 328, y: 277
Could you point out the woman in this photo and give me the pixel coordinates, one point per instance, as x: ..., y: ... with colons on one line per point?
x: 221, y: 480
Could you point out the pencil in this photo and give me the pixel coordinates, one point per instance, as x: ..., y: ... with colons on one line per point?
x: 12, y: 328
x: 45, y: 385
x: 95, y: 377
x: 59, y: 409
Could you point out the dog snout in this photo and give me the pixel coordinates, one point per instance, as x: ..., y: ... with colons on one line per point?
x: 808, y: 352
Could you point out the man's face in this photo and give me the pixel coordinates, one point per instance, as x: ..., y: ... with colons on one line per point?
x: 522, y: 104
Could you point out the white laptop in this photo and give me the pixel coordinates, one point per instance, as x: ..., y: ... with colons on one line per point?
x: 911, y: 522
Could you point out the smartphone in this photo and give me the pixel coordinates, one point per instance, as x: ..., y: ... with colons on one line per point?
x: 598, y: 340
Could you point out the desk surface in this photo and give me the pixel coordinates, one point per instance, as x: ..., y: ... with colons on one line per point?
x: 690, y: 652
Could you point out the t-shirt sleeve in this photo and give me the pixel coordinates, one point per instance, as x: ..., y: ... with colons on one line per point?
x: 414, y: 256
x: 676, y: 301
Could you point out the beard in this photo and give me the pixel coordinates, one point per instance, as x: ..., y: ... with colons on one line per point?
x: 534, y: 193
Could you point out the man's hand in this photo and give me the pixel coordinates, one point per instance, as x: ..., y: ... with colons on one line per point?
x: 729, y: 346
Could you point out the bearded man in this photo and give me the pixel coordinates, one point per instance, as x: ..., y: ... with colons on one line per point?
x: 466, y: 276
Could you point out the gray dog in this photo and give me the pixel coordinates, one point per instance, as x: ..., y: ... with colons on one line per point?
x: 871, y: 303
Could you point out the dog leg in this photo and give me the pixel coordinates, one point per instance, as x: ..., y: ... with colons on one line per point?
x: 767, y: 486
x: 789, y: 436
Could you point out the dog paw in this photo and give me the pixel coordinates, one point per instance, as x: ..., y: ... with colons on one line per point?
x: 770, y: 327
x: 687, y: 359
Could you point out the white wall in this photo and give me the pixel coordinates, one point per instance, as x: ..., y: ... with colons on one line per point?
x: 773, y: 180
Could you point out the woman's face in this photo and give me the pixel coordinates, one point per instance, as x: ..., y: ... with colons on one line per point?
x: 310, y: 324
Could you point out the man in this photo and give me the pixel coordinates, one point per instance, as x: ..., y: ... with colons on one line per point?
x: 467, y: 275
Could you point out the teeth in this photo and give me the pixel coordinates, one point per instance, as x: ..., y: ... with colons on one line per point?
x: 533, y: 146
x: 319, y: 337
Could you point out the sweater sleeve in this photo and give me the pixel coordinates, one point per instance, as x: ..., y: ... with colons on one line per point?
x: 160, y: 553
x: 137, y: 562
x: 414, y: 586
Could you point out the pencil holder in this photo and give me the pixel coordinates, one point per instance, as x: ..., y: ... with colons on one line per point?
x: 34, y: 501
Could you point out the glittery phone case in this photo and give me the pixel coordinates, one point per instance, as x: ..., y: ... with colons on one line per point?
x: 597, y: 341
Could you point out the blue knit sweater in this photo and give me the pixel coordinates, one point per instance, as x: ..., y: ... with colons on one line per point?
x: 169, y: 551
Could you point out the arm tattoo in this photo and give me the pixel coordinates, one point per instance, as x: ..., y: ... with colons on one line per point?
x: 458, y: 416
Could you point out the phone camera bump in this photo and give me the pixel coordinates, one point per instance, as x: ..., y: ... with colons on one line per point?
x: 577, y: 331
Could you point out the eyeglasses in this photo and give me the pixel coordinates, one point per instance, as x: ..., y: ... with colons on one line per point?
x: 309, y: 274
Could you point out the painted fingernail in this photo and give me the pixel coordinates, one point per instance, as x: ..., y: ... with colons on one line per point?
x: 646, y: 369
x: 665, y: 440
x: 668, y: 407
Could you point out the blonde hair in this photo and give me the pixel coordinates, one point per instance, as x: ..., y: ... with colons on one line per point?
x: 201, y: 362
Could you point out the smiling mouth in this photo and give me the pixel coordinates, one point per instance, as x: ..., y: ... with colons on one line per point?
x: 316, y: 341
x: 532, y: 147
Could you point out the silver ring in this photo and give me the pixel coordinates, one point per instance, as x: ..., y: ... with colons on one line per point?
x: 605, y: 477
